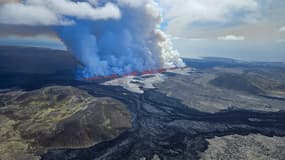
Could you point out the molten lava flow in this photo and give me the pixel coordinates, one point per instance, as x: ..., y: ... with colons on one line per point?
x: 115, y: 76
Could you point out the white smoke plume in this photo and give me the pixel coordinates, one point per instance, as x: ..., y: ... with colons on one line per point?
x: 108, y: 37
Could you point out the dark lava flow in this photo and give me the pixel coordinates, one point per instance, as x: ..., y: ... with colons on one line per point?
x: 161, y: 125
x: 164, y: 126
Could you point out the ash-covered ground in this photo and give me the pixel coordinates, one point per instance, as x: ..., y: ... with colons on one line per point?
x: 215, y: 109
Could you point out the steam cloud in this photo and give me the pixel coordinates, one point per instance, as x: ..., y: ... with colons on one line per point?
x: 108, y: 37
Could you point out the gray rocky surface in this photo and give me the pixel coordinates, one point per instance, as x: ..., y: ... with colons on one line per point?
x: 251, y: 147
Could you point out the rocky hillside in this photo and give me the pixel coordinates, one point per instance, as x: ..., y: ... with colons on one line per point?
x: 56, y: 117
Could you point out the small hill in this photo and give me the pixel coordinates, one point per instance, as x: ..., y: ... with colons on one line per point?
x: 236, y: 82
x: 56, y: 117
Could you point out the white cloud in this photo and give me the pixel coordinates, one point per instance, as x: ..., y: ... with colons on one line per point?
x: 282, y: 29
x: 231, y: 38
x: 280, y: 41
x: 53, y: 12
x: 81, y: 10
x: 182, y: 13
x: 8, y: 1
x: 26, y: 14
x: 190, y: 39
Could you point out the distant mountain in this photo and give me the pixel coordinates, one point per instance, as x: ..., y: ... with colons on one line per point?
x: 210, y: 62
x: 31, y: 60
x: 26, y: 65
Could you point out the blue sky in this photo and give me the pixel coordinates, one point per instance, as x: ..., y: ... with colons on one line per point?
x: 242, y: 29
x: 246, y: 29
x: 242, y: 50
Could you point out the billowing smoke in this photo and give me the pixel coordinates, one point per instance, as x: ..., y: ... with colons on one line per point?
x: 119, y: 46
x: 112, y: 37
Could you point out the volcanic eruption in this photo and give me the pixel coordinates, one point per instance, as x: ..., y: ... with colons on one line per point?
x: 121, y: 45
x: 107, y: 36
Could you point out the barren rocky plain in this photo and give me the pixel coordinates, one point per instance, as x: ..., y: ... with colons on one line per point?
x: 216, y: 108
